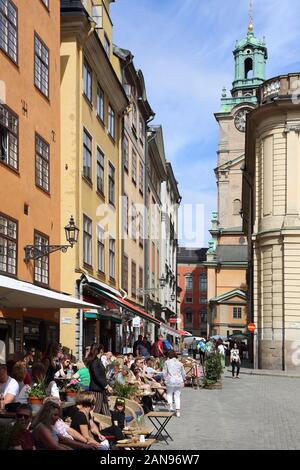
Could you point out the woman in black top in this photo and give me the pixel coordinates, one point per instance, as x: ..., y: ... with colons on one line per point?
x: 98, y: 384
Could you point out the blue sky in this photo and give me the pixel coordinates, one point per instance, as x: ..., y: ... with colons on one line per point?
x: 184, y: 48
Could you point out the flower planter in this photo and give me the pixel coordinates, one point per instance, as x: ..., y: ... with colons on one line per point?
x: 36, y: 403
x: 71, y: 397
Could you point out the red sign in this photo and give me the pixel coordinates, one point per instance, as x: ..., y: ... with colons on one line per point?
x: 173, y: 320
x: 251, y: 327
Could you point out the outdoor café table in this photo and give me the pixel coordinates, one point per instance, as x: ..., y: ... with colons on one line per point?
x: 132, y: 445
x: 160, y: 419
x: 138, y: 432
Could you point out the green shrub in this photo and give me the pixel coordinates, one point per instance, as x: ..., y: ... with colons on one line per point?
x: 213, y: 370
x: 38, y: 390
x: 125, y: 390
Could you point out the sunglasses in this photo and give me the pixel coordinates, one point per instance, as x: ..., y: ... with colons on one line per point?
x: 21, y: 415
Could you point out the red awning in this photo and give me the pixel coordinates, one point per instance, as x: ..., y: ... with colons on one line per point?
x: 184, y: 333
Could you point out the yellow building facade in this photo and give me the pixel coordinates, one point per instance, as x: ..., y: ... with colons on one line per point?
x: 92, y: 106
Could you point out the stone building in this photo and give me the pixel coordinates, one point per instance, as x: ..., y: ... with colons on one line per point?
x: 271, y: 212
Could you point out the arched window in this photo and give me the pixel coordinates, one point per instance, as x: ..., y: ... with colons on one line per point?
x: 248, y: 68
x: 237, y: 207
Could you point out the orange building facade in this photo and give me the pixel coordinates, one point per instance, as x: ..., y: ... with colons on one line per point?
x: 192, y: 286
x: 29, y: 162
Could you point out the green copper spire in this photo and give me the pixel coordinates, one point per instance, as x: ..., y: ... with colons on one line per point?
x: 250, y: 55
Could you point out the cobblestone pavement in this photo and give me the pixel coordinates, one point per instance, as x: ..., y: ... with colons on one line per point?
x: 255, y: 412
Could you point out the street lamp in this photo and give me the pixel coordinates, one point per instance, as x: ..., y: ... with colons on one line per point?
x: 38, y: 251
x: 162, y: 281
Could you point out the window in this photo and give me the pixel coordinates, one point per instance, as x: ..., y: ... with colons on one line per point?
x: 8, y: 245
x: 141, y: 231
x: 126, y: 153
x: 100, y: 103
x: 141, y: 131
x: 41, y: 163
x: 97, y: 15
x: 41, y: 66
x: 133, y: 279
x: 87, y: 81
x: 141, y: 180
x: 8, y: 138
x: 188, y: 282
x: 106, y: 45
x: 111, y: 184
x: 203, y: 282
x: 87, y: 155
x: 133, y: 221
x: 134, y: 117
x: 134, y: 168
x: 203, y: 316
x: 125, y: 273
x: 100, y: 171
x: 112, y: 258
x: 237, y: 313
x: 203, y: 301
x: 9, y: 29
x: 101, y: 249
x: 111, y: 122
x: 125, y: 212
x: 41, y: 265
x: 188, y: 300
x: 141, y: 281
x: 87, y: 241
x: 188, y: 317
x: 237, y: 205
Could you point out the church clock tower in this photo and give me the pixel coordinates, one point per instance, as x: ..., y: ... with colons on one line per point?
x: 227, y: 257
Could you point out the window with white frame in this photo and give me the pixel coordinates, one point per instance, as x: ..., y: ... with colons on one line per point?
x: 9, y: 29
x: 97, y: 15
x: 141, y: 178
x: 87, y: 241
x: 9, y: 125
x: 41, y: 265
x: 188, y: 282
x: 133, y: 221
x: 237, y: 313
x: 134, y: 166
x: 101, y: 249
x: 8, y: 245
x: 87, y: 155
x: 112, y: 258
x: 41, y: 65
x: 100, y: 103
x: 125, y: 212
x: 141, y: 231
x: 111, y: 122
x: 126, y: 153
x: 41, y: 163
x: 188, y: 317
x: 111, y: 184
x: 100, y: 171
x: 87, y: 81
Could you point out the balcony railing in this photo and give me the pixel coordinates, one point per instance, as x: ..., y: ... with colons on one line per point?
x: 284, y: 86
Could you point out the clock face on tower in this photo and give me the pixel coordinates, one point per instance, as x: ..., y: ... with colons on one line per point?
x: 240, y: 119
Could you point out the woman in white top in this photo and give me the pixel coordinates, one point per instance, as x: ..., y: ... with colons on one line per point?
x: 235, y: 360
x: 174, y: 377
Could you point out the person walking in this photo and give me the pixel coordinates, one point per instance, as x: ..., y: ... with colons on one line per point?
x: 202, y: 349
x: 174, y: 377
x: 98, y: 384
x: 221, y: 350
x: 235, y: 360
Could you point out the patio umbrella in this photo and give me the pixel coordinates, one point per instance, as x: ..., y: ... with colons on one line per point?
x: 241, y: 336
x: 218, y: 337
x: 184, y: 333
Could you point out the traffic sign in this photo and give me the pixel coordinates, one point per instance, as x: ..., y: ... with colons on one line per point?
x: 251, y: 327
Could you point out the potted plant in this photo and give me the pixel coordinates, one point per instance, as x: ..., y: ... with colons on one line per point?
x: 125, y: 390
x: 71, y: 389
x: 37, y: 394
x: 213, y: 371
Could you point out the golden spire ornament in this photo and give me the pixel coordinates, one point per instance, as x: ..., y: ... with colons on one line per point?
x: 250, y: 27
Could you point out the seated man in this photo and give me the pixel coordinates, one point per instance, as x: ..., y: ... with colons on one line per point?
x: 22, y: 439
x: 9, y: 387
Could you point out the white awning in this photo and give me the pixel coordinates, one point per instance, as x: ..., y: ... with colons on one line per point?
x: 164, y: 328
x: 19, y: 294
x: 102, y: 285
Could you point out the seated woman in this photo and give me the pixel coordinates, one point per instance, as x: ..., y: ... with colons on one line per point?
x: 112, y: 372
x: 82, y: 421
x: 66, y: 368
x: 83, y: 375
x: 125, y: 376
x: 151, y: 371
x: 44, y: 435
